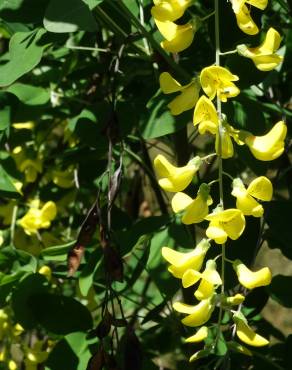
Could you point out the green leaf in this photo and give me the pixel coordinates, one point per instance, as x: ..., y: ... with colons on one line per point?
x: 157, y: 120
x: 71, y: 352
x: 22, y: 11
x: 69, y: 16
x: 127, y: 239
x: 57, y: 253
x: 28, y: 94
x: 87, y: 126
x: 59, y: 314
x: 86, y: 277
x: 281, y: 290
x: 17, y: 260
x: 25, y: 52
x: 5, y: 111
x: 7, y: 188
x: 23, y: 297
x: 92, y: 3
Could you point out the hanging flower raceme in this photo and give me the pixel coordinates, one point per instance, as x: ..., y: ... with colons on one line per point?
x: 198, y: 314
x: 260, y: 188
x: 187, y: 98
x: 181, y: 262
x: 38, y: 218
x: 195, y: 210
x: 250, y: 279
x: 174, y: 178
x: 217, y: 80
x: 267, y: 147
x: 177, y: 37
x: 169, y: 10
x: 264, y: 56
x: 225, y: 223
x: 243, y: 17
x: 245, y: 332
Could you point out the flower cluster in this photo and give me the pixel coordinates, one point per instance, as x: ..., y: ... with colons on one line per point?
x: 223, y: 224
x: 217, y: 83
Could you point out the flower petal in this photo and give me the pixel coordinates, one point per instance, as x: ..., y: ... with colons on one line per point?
x: 250, y: 279
x: 261, y: 188
x: 180, y: 201
x: 248, y: 336
x: 168, y: 84
x: 200, y: 335
x: 245, y: 21
x: 186, y: 100
x: 190, y: 277
x: 270, y: 146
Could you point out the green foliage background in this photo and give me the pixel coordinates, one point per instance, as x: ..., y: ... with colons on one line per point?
x: 85, y: 72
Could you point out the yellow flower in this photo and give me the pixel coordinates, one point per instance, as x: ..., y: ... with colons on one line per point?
x: 234, y: 300
x: 250, y: 279
x: 260, y: 188
x: 270, y: 146
x: 228, y: 223
x: 174, y: 178
x: 218, y: 80
x: 12, y: 365
x: 195, y: 210
x: 210, y: 279
x: 37, y: 218
x: 205, y: 115
x: 17, y: 330
x: 64, y: 179
x: 198, y: 314
x: 31, y: 168
x: 4, y: 324
x: 242, y: 13
x: 46, y: 271
x: 246, y: 334
x: 35, y: 355
x: 177, y: 37
x: 169, y: 10
x: 180, y: 262
x: 29, y: 125
x: 200, y: 335
x: 227, y: 150
x: 264, y: 56
x: 187, y: 98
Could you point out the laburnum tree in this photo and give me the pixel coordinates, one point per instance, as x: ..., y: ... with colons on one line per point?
x: 145, y: 182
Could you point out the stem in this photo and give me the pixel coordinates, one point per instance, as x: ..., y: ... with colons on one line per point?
x: 229, y: 52
x: 207, y: 17
x: 13, y: 223
x: 220, y: 164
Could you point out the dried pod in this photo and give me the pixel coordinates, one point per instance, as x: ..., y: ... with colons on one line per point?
x: 113, y: 264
